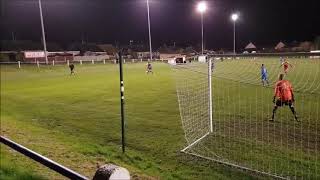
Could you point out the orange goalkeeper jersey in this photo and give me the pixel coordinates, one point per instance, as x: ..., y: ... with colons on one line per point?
x: 283, y: 90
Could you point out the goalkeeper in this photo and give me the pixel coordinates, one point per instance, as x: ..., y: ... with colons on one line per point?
x: 283, y: 95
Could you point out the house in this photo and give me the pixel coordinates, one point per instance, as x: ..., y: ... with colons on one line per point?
x: 250, y: 47
x: 39, y: 55
x: 169, y: 55
x: 91, y: 47
x: 280, y: 46
x: 6, y: 56
x: 146, y: 55
x: 141, y: 52
x: 169, y: 52
x: 295, y: 46
x: 108, y: 48
x: 306, y: 46
x: 189, y: 51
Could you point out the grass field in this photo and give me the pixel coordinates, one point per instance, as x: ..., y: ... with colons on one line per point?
x: 75, y: 120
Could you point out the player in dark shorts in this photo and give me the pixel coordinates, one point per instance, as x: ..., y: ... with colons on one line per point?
x: 283, y: 96
x: 71, y: 66
x: 212, y: 64
x: 149, y: 68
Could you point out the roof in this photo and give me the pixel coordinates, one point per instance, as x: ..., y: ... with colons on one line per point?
x: 84, y: 47
x: 8, y: 52
x: 109, y: 48
x: 250, y: 46
x: 280, y: 45
x: 170, y: 50
x: 139, y: 48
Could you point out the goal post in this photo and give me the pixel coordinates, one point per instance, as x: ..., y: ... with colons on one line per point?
x: 194, y: 92
x: 192, y: 88
x: 225, y: 112
x: 210, y: 93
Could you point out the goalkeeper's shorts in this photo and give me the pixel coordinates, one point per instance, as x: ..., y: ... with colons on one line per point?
x: 279, y: 102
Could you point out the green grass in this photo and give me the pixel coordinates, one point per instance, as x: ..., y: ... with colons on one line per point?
x: 75, y: 120
x: 10, y: 169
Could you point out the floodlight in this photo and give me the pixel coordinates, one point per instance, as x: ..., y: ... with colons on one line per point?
x: 202, y: 7
x: 234, y: 17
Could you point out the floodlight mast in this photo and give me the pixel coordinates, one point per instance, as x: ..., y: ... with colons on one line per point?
x: 234, y: 18
x: 150, y: 43
x: 43, y: 34
x: 202, y: 7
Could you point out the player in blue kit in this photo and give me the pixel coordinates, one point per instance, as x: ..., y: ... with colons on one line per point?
x: 264, y: 75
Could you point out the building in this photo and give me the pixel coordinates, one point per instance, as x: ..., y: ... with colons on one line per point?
x: 109, y: 49
x: 250, y: 47
x: 280, y: 46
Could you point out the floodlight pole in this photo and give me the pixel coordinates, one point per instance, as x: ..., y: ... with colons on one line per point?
x: 150, y: 44
x: 43, y: 33
x: 234, y: 37
x: 12, y: 34
x: 122, y: 104
x: 202, y: 33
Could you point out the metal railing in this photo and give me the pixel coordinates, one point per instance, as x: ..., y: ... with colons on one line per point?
x: 43, y: 160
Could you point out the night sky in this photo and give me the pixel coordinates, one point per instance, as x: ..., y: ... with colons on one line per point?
x: 263, y: 22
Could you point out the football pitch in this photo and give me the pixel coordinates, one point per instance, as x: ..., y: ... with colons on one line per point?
x: 75, y: 120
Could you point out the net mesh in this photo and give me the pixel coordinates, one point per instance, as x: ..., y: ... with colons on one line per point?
x: 243, y: 136
x: 193, y: 94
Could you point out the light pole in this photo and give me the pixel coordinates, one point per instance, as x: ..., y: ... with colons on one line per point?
x: 234, y: 18
x: 150, y: 46
x: 202, y: 7
x: 43, y: 33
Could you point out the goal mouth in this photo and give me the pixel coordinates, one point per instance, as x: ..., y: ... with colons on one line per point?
x: 240, y: 133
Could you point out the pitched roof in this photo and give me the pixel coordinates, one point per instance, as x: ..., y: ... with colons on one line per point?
x: 280, y: 45
x: 250, y: 46
x: 109, y: 48
x: 170, y: 49
x: 84, y: 47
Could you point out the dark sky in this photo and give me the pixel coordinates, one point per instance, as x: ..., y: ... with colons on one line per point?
x: 261, y: 21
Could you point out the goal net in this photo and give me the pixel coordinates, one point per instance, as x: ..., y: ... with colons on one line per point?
x: 240, y: 133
